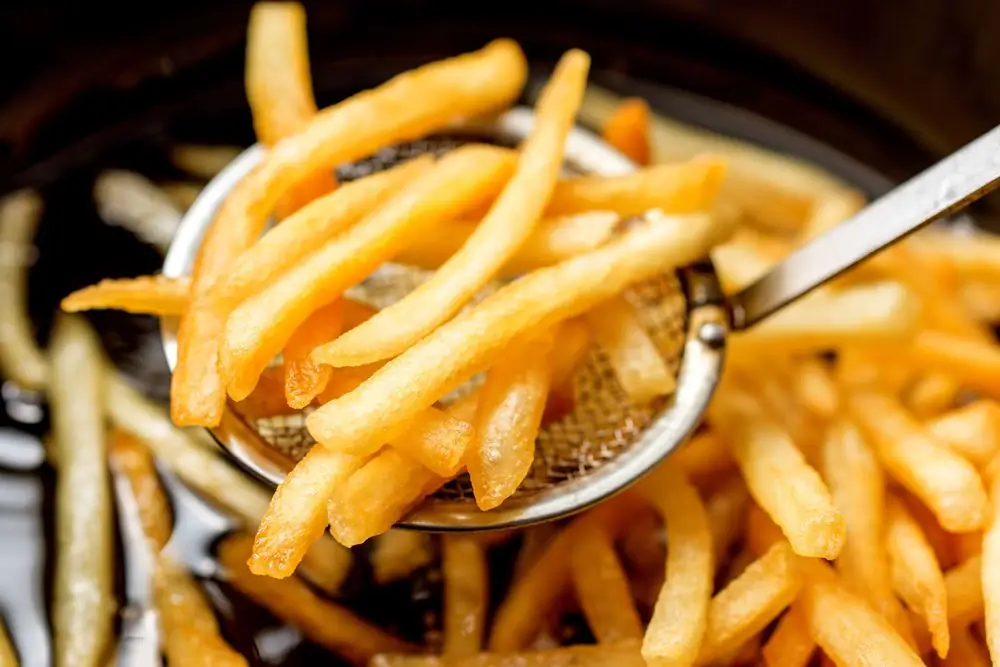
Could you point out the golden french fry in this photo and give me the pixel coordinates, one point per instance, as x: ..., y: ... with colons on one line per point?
x: 8, y: 656
x: 132, y: 201
x: 146, y: 295
x: 627, y: 129
x: 83, y: 598
x: 190, y: 631
x: 20, y: 358
x: 815, y: 388
x: 257, y: 330
x: 638, y: 365
x: 284, y: 246
x: 509, y: 222
x: 849, y: 631
x: 857, y: 485
x: 981, y: 300
x: 750, y: 602
x: 203, y: 161
x: 683, y: 187
x: 916, y: 575
x: 972, y: 256
x: 331, y: 626
x: 965, y: 651
x: 674, y: 638
x: 932, y: 394
x: 704, y: 456
x: 778, y: 477
x: 963, y: 584
x: 182, y: 193
x: 130, y: 458
x: 268, y: 397
x: 625, y: 654
x: 399, y: 553
x: 973, y: 363
x: 831, y: 210
x: 552, y: 241
x: 940, y: 540
x: 991, y: 574
x: 508, y: 413
x: 726, y: 509
x: 304, y: 378
x: 536, y: 591
x: 602, y: 587
x: 972, y: 431
x: 778, y: 400
x: 945, y: 482
x: 457, y: 349
x: 466, y: 591
x: 572, y: 344
x: 790, y: 645
x: 345, y: 380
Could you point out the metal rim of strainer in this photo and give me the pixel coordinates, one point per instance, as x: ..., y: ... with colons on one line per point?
x: 701, y: 360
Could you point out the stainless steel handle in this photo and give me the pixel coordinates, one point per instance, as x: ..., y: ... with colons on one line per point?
x: 947, y: 187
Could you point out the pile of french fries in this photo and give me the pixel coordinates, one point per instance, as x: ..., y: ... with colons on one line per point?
x: 838, y: 503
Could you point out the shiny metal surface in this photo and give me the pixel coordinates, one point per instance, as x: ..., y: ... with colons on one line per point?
x: 945, y: 188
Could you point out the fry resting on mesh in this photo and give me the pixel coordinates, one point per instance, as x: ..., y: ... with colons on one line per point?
x: 145, y: 295
x: 304, y: 378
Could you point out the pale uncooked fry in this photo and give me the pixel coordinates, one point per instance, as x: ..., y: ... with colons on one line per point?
x: 20, y: 358
x: 627, y: 129
x: 750, y: 602
x: 537, y: 590
x: 408, y: 106
x: 145, y: 295
x: 552, y: 241
x: 8, y: 656
x: 509, y: 222
x: 202, y: 160
x: 634, y: 358
x: 457, y: 349
x: 676, y: 631
x: 972, y: 430
x: 508, y: 414
x: 945, y: 482
x: 815, y: 387
x: 857, y: 485
x: 991, y: 574
x: 965, y: 651
x: 190, y: 632
x: 726, y: 509
x: 329, y: 625
x: 683, y: 187
x: 257, y: 330
x: 83, y: 598
x: 790, y: 645
x: 602, y: 587
x: 916, y: 575
x: 466, y: 592
x: 778, y: 477
x: 304, y: 378
x: 973, y: 363
x: 849, y: 631
x: 130, y: 458
x: 625, y: 654
x: 399, y: 553
x: 132, y: 201
x: 183, y: 193
x: 878, y: 313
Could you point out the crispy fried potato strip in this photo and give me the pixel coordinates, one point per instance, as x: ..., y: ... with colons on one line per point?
x: 20, y: 358
x: 399, y: 553
x: 145, y: 295
x: 627, y: 129
x: 965, y: 651
x: 990, y: 573
x: 129, y: 457
x: 466, y: 591
x: 602, y: 587
x: 509, y: 222
x: 304, y: 378
x: 790, y: 645
x: 972, y: 430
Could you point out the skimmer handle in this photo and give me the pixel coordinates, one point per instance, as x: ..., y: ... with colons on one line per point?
x: 943, y: 189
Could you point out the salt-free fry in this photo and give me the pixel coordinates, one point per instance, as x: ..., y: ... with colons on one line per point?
x: 145, y: 295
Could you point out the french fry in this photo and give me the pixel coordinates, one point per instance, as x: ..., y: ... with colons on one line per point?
x: 790, y: 645
x: 508, y: 414
x: 932, y: 394
x: 534, y: 594
x: 972, y: 431
x: 602, y: 587
x: 131, y: 201
x: 991, y: 574
x: 345, y: 380
x: 625, y: 654
x: 633, y: 356
x: 627, y: 129
x: 779, y: 479
x: 291, y: 242
x: 456, y: 349
x: 509, y: 222
x: 20, y: 358
x: 257, y: 330
x: 145, y: 295
x: 268, y: 397
x: 674, y: 638
x: 325, y: 623
x: 940, y: 540
x: 965, y: 651
x: 182, y: 193
x: 944, y: 481
x: 552, y: 241
x: 465, y: 86
x: 981, y: 300
x: 466, y: 591
x: 726, y: 508
x: 399, y: 553
x: 201, y: 160
x: 830, y: 211
x: 750, y: 602
x: 83, y: 598
x: 132, y: 459
x: 304, y: 378
x: 849, y: 631
x: 857, y: 485
x: 704, y: 456
x: 972, y: 363
x: 916, y: 575
x: 190, y: 631
x: 8, y: 656
x: 815, y: 388
x: 972, y: 256
x: 963, y: 584
x: 684, y: 187
x: 573, y: 341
